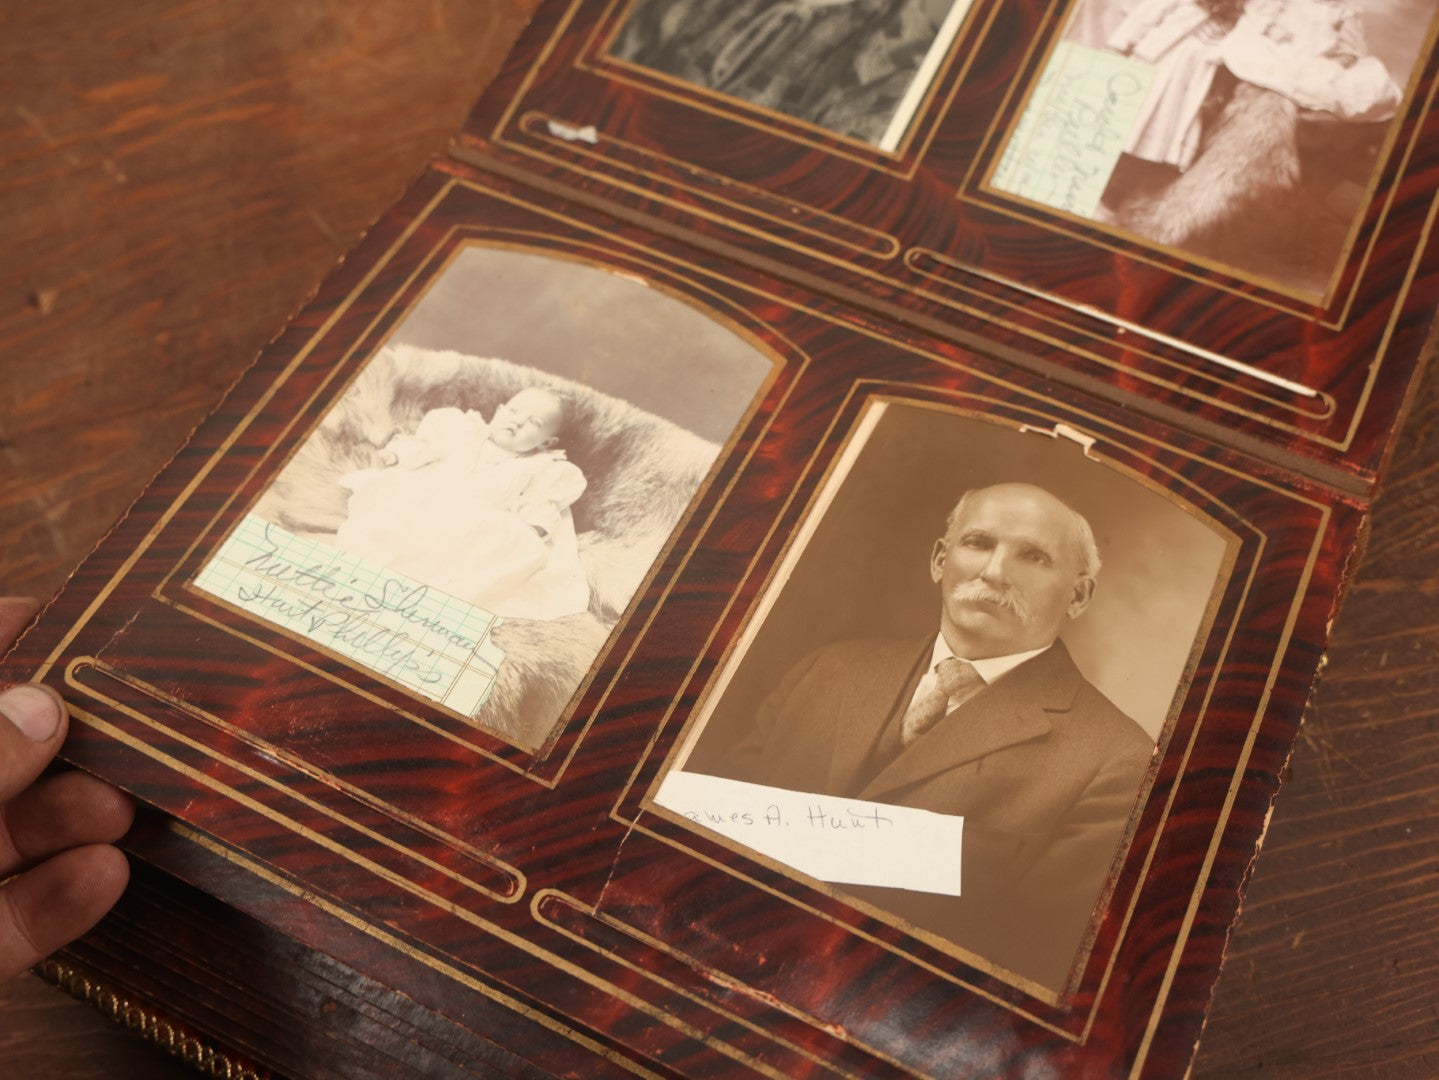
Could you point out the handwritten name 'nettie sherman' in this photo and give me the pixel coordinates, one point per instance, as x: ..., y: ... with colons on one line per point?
x: 323, y: 600
x: 816, y: 817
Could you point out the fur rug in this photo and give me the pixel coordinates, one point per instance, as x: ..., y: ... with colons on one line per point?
x: 1273, y: 190
x: 642, y: 472
x: 1249, y: 155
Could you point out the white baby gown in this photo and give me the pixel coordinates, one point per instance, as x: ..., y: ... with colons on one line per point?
x: 1174, y: 36
x: 464, y: 516
x: 1313, y: 52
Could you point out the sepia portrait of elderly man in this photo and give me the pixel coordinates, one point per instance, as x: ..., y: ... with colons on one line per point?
x: 982, y: 714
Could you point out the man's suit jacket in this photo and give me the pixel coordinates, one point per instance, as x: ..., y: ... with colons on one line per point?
x: 1043, y: 767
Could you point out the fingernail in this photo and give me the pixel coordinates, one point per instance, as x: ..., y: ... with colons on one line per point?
x: 31, y: 710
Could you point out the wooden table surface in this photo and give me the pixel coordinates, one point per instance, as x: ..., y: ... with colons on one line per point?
x: 176, y: 176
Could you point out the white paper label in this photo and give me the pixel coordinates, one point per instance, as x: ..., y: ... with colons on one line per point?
x: 1068, y: 141
x: 845, y: 841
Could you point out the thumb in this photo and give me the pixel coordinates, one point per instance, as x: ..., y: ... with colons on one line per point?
x: 31, y: 731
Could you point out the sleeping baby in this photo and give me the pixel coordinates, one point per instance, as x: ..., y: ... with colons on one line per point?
x: 480, y: 511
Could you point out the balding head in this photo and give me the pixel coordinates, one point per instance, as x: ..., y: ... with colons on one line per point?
x: 1014, y: 564
x: 1082, y: 534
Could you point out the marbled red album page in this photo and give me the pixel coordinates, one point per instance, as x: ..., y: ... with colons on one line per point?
x: 539, y: 541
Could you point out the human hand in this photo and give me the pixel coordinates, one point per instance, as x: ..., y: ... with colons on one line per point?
x: 55, y: 832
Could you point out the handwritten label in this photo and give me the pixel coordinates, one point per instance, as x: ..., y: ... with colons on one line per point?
x: 1070, y: 137
x: 845, y: 841
x: 391, y: 624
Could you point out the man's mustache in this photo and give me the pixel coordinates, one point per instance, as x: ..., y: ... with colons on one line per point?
x: 979, y: 592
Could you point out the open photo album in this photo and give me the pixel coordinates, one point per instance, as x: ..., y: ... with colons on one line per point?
x: 800, y: 547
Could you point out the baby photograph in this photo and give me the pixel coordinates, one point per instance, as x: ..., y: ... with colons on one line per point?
x: 477, y: 509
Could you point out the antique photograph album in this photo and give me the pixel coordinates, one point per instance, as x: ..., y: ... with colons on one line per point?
x: 800, y: 547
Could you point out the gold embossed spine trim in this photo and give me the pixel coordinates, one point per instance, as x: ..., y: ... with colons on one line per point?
x: 175, y: 1039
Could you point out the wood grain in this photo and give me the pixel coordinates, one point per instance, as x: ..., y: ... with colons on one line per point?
x: 1333, y: 966
x: 178, y: 176
x: 47, y: 1033
x: 175, y: 178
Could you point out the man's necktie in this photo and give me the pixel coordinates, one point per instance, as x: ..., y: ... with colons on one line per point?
x: 953, y: 677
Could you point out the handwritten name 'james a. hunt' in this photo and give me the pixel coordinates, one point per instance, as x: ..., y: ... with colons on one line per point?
x: 816, y: 817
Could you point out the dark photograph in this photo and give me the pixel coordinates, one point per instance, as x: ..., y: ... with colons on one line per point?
x: 858, y: 68
x: 980, y: 623
x: 1246, y: 132
x: 477, y: 510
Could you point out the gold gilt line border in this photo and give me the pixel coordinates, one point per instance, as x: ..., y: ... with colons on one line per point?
x: 1240, y: 602
x: 1235, y: 782
x: 500, y: 867
x: 717, y: 977
x: 1068, y: 344
x: 454, y: 973
x: 881, y: 245
x: 1360, y: 405
x: 1123, y: 326
x: 73, y: 673
x: 451, y: 239
x: 1220, y: 823
x: 310, y: 895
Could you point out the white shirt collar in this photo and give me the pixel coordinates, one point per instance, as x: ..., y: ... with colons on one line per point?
x: 990, y: 670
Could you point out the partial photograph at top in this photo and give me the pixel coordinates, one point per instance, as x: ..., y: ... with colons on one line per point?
x: 1244, y: 132
x: 858, y: 68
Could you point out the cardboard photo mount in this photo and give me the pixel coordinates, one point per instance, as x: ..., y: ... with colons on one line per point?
x: 495, y: 894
